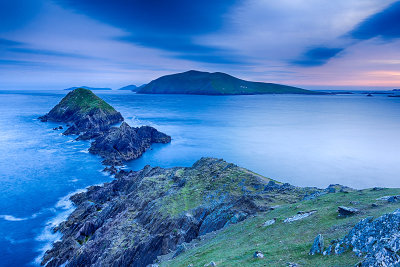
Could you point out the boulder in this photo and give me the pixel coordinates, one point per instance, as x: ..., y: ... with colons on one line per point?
x: 346, y: 211
x: 318, y: 245
x: 258, y: 255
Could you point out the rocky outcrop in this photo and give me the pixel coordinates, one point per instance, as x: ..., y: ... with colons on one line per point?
x: 318, y: 245
x: 125, y: 143
x: 378, y: 240
x: 142, y: 215
x: 346, y: 211
x: 87, y: 113
x: 90, y: 117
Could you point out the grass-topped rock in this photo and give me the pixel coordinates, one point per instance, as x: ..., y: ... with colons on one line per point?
x: 85, y: 111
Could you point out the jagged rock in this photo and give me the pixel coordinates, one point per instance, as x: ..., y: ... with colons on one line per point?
x: 318, y: 245
x: 258, y: 255
x: 86, y: 112
x: 346, y: 211
x: 145, y: 214
x: 299, y: 216
x: 378, y: 240
x: 111, y: 170
x: 125, y: 143
x: 390, y: 199
x: 181, y: 248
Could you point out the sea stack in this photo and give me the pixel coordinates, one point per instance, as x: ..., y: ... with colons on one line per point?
x: 91, y: 117
x: 87, y: 113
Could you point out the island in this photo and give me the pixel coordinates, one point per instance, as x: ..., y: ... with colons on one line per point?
x: 131, y: 87
x: 91, y: 118
x: 216, y: 83
x: 89, y: 88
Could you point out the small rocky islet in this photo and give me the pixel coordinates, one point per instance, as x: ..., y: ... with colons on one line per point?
x: 213, y: 213
x: 91, y: 118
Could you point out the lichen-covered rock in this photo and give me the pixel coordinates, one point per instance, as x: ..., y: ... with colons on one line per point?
x: 125, y: 143
x: 378, y: 240
x: 144, y: 214
x: 318, y: 245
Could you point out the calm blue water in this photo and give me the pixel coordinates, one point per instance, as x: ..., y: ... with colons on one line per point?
x: 303, y: 140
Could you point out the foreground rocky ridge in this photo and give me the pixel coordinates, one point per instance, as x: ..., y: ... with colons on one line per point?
x: 142, y: 215
x: 90, y: 117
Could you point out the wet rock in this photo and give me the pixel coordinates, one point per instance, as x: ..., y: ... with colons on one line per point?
x: 378, y: 241
x: 111, y: 170
x: 346, y: 211
x: 258, y: 255
x: 318, y: 245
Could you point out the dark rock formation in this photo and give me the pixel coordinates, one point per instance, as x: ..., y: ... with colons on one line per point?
x: 142, y: 215
x: 346, y: 211
x: 91, y: 118
x: 318, y: 245
x: 125, y: 143
x: 378, y: 240
x: 86, y: 112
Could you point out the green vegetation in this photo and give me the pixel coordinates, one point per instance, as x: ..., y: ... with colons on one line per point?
x: 84, y: 100
x: 282, y: 243
x: 217, y: 83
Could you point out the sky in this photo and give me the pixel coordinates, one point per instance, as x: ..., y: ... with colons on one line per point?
x: 314, y: 44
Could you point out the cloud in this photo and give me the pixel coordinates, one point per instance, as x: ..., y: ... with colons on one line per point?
x: 17, y: 13
x: 385, y: 24
x: 166, y: 25
x: 317, y: 56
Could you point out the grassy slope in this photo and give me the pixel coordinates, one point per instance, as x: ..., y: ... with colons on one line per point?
x: 84, y: 100
x: 195, y: 82
x: 289, y: 242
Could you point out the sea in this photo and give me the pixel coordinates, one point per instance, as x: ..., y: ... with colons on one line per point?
x: 304, y: 140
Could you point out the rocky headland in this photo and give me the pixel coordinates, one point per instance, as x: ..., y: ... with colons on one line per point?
x: 90, y: 117
x: 145, y: 214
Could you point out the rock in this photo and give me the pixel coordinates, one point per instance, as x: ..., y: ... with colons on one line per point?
x: 378, y: 241
x: 140, y: 215
x: 346, y: 211
x: 125, y: 143
x: 292, y: 264
x: 84, y: 111
x: 301, y: 215
x: 390, y: 199
x: 180, y: 249
x: 111, y: 170
x: 258, y: 255
x: 211, y: 264
x: 269, y: 222
x: 318, y: 245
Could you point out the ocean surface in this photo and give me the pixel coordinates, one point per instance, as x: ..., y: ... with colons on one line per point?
x: 303, y: 140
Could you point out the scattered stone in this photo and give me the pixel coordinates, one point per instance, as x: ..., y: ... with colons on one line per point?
x: 269, y: 222
x: 211, y: 264
x: 318, y: 245
x: 258, y: 255
x: 299, y: 216
x: 346, y: 211
x: 378, y: 240
x: 292, y: 264
x: 374, y: 205
x: 377, y: 189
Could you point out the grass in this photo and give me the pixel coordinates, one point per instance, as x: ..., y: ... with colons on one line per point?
x: 282, y: 243
x: 85, y: 100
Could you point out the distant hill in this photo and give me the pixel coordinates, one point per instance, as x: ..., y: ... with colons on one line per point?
x: 217, y: 83
x: 131, y: 87
x: 86, y: 87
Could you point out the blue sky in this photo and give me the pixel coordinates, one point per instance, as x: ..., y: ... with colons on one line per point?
x: 317, y: 44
